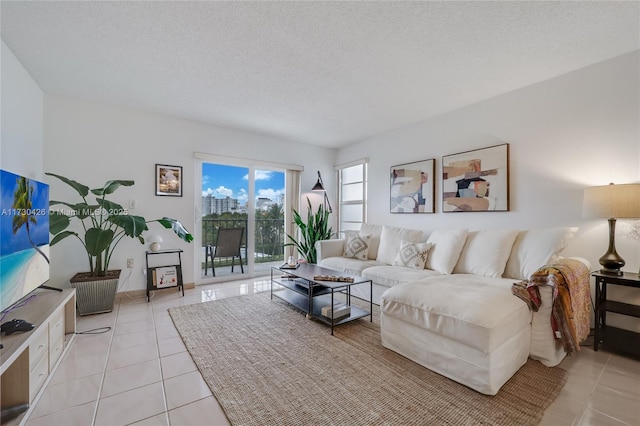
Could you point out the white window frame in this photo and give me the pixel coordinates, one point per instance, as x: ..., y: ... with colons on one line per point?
x: 363, y: 200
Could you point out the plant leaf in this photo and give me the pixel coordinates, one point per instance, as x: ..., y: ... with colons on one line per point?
x: 58, y: 222
x: 61, y: 236
x: 111, y: 186
x: 177, y: 227
x: 97, y: 240
x: 83, y: 190
x: 132, y: 226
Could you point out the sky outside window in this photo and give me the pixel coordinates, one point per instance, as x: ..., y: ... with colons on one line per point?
x: 222, y: 181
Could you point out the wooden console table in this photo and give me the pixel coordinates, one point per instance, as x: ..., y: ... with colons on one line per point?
x: 28, y: 358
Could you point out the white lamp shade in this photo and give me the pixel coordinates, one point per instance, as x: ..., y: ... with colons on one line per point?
x: 612, y: 201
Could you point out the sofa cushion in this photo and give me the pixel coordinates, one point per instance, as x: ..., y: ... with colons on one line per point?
x: 486, y: 252
x: 413, y: 255
x: 479, y: 312
x: 357, y: 246
x: 374, y: 243
x: 348, y: 265
x: 447, y: 245
x: 535, y: 248
x: 390, y: 276
x: 390, y: 239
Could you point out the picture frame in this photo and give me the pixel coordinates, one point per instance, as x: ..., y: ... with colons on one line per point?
x: 476, y: 181
x: 412, y: 187
x: 168, y: 180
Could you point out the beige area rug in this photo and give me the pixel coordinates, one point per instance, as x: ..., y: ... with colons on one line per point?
x: 268, y: 365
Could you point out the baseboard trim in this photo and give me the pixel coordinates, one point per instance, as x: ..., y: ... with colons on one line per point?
x: 143, y: 293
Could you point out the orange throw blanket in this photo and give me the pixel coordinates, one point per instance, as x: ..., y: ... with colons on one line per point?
x: 571, y: 310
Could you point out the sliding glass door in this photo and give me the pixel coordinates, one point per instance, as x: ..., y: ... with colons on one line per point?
x: 242, y: 217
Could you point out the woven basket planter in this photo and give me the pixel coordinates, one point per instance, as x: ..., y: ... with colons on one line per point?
x: 95, y: 295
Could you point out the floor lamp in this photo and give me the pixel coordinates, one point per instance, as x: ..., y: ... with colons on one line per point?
x: 612, y: 202
x: 319, y: 186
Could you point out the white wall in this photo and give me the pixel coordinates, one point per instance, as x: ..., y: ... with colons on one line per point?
x: 21, y: 112
x: 574, y: 131
x: 93, y: 143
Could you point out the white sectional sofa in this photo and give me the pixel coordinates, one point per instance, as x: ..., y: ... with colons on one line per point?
x: 445, y: 298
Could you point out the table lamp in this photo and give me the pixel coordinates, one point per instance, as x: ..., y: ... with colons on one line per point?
x: 155, y: 241
x: 612, y: 202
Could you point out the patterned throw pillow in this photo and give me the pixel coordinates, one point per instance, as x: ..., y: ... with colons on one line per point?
x: 357, y: 246
x: 413, y: 255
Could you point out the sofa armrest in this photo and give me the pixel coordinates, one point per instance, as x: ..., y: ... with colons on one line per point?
x: 329, y: 248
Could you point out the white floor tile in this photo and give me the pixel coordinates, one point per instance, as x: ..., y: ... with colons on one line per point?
x: 177, y: 364
x: 131, y: 406
x: 133, y: 355
x: 131, y: 377
x: 79, y: 415
x: 68, y: 394
x: 80, y: 367
x: 206, y: 411
x: 171, y: 346
x: 185, y: 389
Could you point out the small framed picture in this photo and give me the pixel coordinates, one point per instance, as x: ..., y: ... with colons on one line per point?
x: 168, y: 180
x: 413, y: 187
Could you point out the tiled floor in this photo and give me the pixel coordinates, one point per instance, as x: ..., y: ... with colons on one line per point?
x: 140, y: 373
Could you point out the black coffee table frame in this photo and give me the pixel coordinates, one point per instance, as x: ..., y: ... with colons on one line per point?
x: 298, y: 288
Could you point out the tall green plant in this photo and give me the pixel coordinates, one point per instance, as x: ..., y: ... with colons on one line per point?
x: 316, y: 228
x: 104, y: 222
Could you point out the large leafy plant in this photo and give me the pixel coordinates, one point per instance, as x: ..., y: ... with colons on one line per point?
x: 104, y: 222
x: 316, y: 228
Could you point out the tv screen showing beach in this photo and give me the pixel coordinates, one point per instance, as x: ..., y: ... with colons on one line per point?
x: 24, y: 236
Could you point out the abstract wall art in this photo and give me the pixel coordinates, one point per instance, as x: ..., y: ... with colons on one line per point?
x: 476, y: 180
x: 413, y: 187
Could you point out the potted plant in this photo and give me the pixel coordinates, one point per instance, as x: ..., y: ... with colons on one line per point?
x: 104, y: 225
x: 315, y: 229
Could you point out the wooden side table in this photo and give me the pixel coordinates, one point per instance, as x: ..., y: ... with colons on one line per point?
x: 615, y: 338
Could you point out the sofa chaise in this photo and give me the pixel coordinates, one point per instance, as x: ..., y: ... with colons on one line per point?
x: 446, y: 301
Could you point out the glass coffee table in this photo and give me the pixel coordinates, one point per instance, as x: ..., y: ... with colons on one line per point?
x: 310, y: 288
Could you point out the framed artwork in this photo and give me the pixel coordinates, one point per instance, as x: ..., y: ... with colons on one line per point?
x: 476, y: 181
x: 413, y: 187
x: 168, y: 180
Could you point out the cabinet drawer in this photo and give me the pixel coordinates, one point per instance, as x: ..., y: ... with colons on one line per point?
x: 38, y: 376
x: 55, y: 350
x: 38, y: 347
x: 56, y: 326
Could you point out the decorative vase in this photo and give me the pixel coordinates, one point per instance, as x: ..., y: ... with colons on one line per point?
x: 95, y: 295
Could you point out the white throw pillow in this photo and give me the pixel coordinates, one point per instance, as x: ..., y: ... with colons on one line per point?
x: 390, y: 242
x: 357, y: 246
x: 374, y: 231
x: 447, y: 245
x: 486, y: 252
x: 535, y: 248
x: 413, y: 255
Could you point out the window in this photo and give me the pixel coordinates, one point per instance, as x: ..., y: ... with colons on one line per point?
x: 352, y: 195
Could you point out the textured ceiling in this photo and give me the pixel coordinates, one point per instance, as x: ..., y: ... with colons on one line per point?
x: 325, y: 73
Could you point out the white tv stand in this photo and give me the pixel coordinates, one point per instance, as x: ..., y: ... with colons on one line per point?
x: 27, y: 359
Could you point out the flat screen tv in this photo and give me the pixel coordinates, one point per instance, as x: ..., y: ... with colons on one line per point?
x: 24, y: 237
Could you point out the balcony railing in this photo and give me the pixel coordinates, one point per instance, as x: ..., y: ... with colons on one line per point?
x: 269, y: 239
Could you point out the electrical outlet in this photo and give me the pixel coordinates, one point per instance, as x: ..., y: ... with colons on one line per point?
x: 129, y: 263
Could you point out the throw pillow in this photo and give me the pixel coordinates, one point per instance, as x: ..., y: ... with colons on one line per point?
x: 535, y: 248
x: 447, y: 245
x: 485, y: 253
x: 374, y: 242
x: 390, y: 242
x: 357, y: 246
x: 413, y: 255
